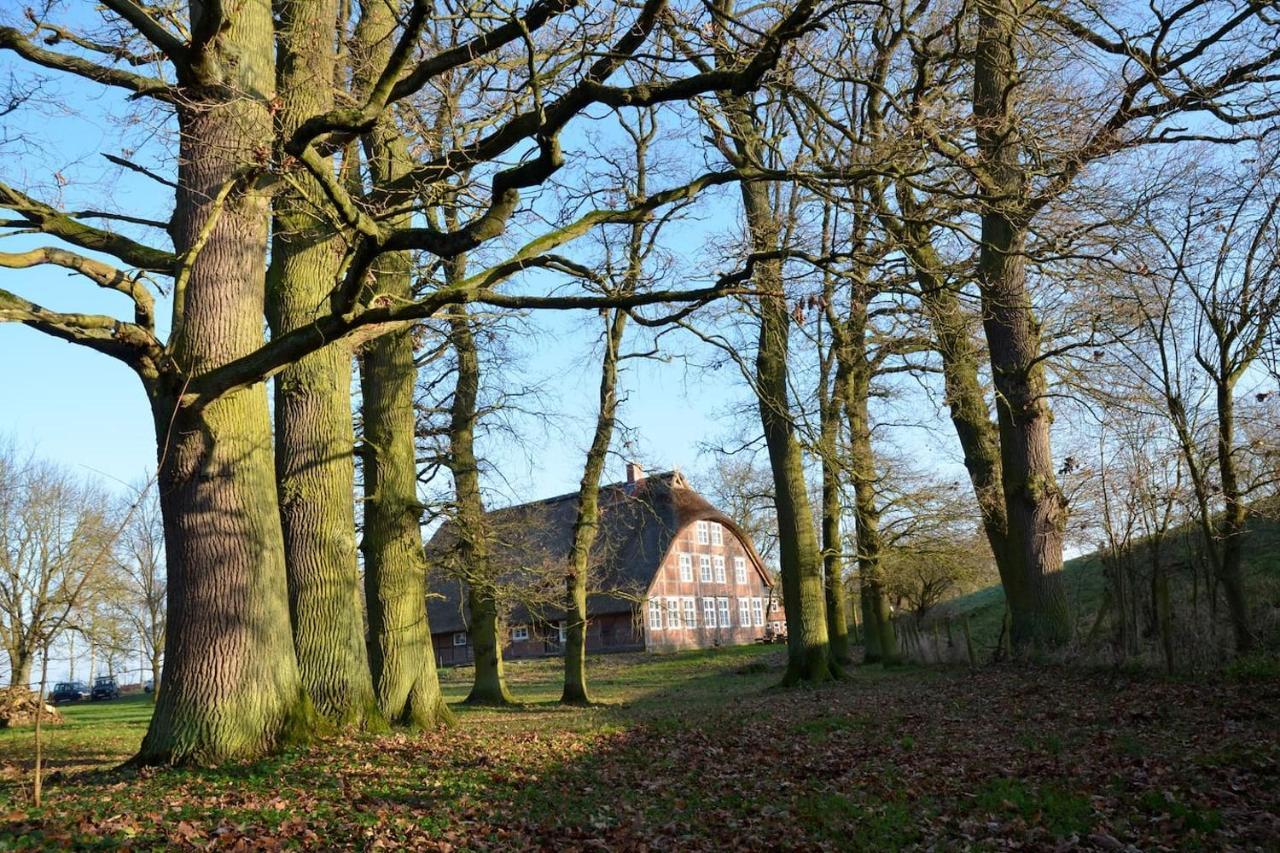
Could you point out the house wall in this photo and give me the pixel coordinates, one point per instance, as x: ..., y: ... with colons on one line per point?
x: 670, y: 584
x: 613, y: 632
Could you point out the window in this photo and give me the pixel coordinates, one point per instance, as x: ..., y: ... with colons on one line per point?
x: 722, y: 605
x: 673, y: 613
x: 704, y: 568
x: 655, y: 615
x: 686, y: 567
x: 717, y: 534
x: 773, y: 605
x: 563, y: 632
x: 690, y: 613
x: 757, y: 612
x: 744, y: 612
x: 778, y: 627
x: 709, y: 612
x: 460, y: 638
x: 704, y: 532
x: 719, y: 564
x: 519, y: 633
x: 740, y: 570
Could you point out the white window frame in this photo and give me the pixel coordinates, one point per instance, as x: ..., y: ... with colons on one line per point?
x: 704, y: 567
x: 460, y: 635
x: 757, y: 612
x: 744, y: 612
x: 718, y: 562
x: 520, y: 633
x: 717, y: 534
x: 673, y: 613
x: 563, y: 630
x: 774, y: 606
x: 740, y: 570
x: 655, y: 614
x: 724, y: 619
x: 704, y: 533
x: 690, y: 612
x: 686, y: 568
x: 709, y: 612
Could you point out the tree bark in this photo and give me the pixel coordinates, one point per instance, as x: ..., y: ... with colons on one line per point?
x: 231, y: 687
x: 1234, y: 518
x: 854, y: 389
x: 401, y: 655
x: 314, y: 439
x: 1034, y: 505
x: 586, y: 525
x: 489, y: 684
x: 832, y: 539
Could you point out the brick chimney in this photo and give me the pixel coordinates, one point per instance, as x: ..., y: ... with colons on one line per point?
x: 634, y: 473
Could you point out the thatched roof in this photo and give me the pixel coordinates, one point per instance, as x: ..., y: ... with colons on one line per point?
x: 531, y: 543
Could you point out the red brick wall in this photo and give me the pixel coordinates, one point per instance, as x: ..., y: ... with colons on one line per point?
x: 670, y: 584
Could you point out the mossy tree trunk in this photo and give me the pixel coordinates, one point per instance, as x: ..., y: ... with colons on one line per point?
x: 401, y: 656
x: 314, y: 439
x: 231, y: 687
x: 486, y: 629
x: 1035, y: 508
x: 829, y: 409
x: 855, y: 393
x: 586, y: 524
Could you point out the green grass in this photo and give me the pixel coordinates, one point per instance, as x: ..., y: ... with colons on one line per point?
x: 1086, y: 585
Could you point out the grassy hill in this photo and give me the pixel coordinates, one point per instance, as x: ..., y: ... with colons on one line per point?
x: 1193, y: 623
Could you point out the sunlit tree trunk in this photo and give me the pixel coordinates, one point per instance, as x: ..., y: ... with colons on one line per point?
x: 832, y: 509
x: 1034, y: 505
x: 855, y: 392
x: 586, y: 524
x: 486, y: 628
x: 231, y: 687
x: 401, y: 656
x: 314, y: 439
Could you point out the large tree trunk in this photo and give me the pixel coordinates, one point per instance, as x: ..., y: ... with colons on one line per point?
x: 832, y: 539
x: 854, y: 389
x: 586, y: 525
x: 1232, y: 527
x: 401, y: 655
x: 952, y: 328
x: 231, y: 687
x: 799, y: 557
x: 20, y: 666
x: 1034, y: 505
x: 489, y: 684
x: 314, y: 439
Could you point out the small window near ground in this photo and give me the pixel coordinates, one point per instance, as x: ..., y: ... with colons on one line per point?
x: 744, y: 612
x: 686, y: 567
x: 717, y: 534
x: 757, y: 612
x: 709, y: 612
x: 460, y: 638
x: 690, y: 613
x: 519, y: 633
x: 704, y: 568
x: 673, y: 613
x: 718, y: 562
x: 655, y: 615
x: 722, y: 605
x: 740, y: 570
x: 704, y: 532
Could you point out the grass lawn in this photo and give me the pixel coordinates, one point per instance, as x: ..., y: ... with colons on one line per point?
x: 696, y: 750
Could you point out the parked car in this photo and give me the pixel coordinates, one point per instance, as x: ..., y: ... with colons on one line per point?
x: 68, y: 691
x: 105, y: 687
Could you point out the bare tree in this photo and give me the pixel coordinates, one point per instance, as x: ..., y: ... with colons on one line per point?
x: 51, y: 527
